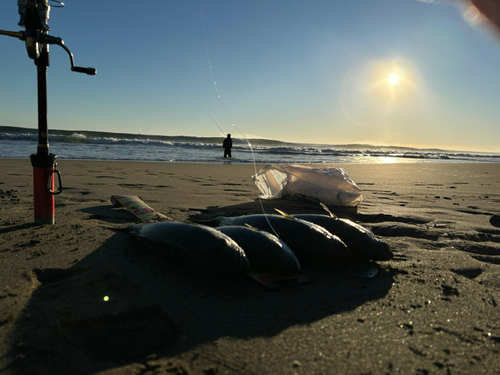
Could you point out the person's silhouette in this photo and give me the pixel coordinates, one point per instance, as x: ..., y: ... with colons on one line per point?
x: 227, y: 145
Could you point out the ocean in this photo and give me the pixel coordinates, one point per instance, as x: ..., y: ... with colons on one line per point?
x: 20, y: 143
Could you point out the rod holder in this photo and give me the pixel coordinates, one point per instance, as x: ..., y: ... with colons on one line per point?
x: 43, y: 168
x: 34, y: 16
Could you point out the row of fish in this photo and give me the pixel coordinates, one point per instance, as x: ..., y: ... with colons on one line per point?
x: 275, y: 244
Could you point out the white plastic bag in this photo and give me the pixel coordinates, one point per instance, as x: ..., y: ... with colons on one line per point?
x: 328, y: 185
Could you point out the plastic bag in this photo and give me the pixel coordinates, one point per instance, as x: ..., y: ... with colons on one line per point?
x: 328, y: 185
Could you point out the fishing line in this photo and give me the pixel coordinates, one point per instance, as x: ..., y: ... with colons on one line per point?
x: 227, y: 114
x: 215, y: 82
x: 215, y: 122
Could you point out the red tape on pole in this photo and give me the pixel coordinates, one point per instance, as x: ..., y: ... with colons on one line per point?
x: 44, y: 200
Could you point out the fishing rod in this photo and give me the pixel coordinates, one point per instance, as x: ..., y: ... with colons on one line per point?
x: 34, y: 16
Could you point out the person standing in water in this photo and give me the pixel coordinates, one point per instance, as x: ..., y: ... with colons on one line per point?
x: 227, y: 145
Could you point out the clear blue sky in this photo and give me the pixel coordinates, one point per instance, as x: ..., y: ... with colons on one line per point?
x: 390, y: 72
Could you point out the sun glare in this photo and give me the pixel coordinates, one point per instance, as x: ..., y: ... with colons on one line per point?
x: 390, y: 81
x: 379, y: 92
x: 393, y: 79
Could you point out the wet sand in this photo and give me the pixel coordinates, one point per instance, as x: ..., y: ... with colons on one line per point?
x: 433, y: 309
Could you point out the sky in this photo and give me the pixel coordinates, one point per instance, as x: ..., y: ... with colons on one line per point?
x: 384, y: 72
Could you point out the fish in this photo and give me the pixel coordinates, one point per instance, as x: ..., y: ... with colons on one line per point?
x: 200, y: 247
x: 265, y: 252
x: 362, y: 243
x: 311, y: 243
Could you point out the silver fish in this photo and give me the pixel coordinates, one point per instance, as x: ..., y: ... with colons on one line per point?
x: 310, y: 242
x: 362, y: 243
x: 202, y: 248
x: 265, y: 252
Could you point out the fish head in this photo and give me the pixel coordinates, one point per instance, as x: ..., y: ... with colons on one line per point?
x: 385, y: 251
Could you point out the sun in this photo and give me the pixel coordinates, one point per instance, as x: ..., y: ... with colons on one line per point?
x: 388, y: 81
x: 393, y: 79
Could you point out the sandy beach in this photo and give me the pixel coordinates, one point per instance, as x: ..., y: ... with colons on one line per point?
x: 433, y: 309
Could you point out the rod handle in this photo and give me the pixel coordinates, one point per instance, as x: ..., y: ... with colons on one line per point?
x: 81, y: 69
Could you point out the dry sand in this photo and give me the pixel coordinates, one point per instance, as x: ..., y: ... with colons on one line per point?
x: 433, y: 309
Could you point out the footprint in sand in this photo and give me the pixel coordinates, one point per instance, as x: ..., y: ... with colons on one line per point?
x: 470, y: 273
x: 487, y: 259
x: 495, y: 220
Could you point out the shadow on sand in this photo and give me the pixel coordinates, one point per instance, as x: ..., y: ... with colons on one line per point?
x: 122, y: 303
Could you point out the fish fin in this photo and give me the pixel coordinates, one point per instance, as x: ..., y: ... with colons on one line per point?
x: 327, y: 209
x: 284, y: 214
x: 116, y: 228
x: 249, y: 226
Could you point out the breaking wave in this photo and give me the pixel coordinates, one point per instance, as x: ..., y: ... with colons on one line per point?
x: 17, y: 142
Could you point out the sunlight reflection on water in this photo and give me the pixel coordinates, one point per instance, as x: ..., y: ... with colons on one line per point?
x: 388, y: 160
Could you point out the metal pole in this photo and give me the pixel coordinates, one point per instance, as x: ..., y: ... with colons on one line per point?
x: 42, y: 64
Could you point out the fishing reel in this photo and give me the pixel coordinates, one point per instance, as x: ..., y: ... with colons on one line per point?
x: 34, y: 17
